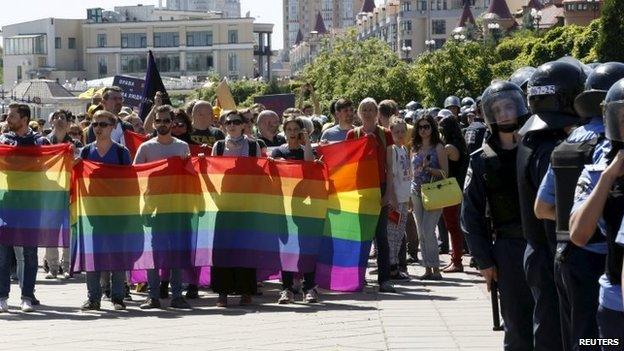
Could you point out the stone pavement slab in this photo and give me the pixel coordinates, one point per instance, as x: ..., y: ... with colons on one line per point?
x: 452, y: 314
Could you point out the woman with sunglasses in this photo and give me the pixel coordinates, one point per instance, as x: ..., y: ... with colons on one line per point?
x: 429, y: 163
x: 105, y: 150
x: 234, y: 280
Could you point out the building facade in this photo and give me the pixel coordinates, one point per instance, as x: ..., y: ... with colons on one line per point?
x: 300, y: 16
x: 184, y: 44
x: 229, y: 8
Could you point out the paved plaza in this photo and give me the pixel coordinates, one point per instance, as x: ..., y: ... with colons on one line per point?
x: 453, y: 314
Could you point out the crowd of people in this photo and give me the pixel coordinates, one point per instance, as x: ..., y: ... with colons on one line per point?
x: 540, y: 157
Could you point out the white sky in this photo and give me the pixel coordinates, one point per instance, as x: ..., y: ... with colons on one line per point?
x: 268, y: 11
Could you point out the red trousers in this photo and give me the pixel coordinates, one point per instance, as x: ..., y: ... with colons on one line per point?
x: 451, y: 220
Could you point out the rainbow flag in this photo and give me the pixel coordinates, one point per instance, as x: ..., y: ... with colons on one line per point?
x: 178, y: 213
x: 353, y: 207
x: 34, y: 195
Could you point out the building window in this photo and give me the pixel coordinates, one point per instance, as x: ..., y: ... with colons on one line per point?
x: 232, y: 62
x: 133, y: 63
x: 408, y: 42
x: 199, y: 38
x: 421, y: 5
x: 439, y: 43
x: 199, y: 62
x: 406, y: 6
x: 57, y: 42
x: 444, y: 5
x: 19, y: 73
x: 102, y: 66
x: 25, y: 45
x: 101, y: 40
x: 232, y: 36
x: 71, y: 43
x: 438, y: 26
x: 166, y: 40
x: 167, y: 62
x: 406, y: 25
x: 133, y: 40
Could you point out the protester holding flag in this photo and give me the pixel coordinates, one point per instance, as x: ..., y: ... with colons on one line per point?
x: 159, y: 148
x: 298, y: 147
x: 234, y: 280
x: 60, y: 123
x: 105, y: 150
x: 19, y: 135
x: 268, y: 127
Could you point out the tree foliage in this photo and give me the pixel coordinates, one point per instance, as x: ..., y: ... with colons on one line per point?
x: 348, y: 68
x: 610, y: 44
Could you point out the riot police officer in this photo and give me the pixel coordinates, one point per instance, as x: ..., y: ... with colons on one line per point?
x: 453, y: 103
x: 577, y: 269
x: 599, y: 202
x: 491, y: 182
x: 552, y: 89
x: 475, y: 132
x: 521, y: 77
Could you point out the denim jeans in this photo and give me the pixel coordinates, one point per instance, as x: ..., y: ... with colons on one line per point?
x: 153, y: 280
x: 94, y: 289
x: 426, y: 222
x: 26, y: 258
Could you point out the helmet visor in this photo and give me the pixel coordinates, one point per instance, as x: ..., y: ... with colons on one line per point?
x: 504, y: 107
x: 614, y: 121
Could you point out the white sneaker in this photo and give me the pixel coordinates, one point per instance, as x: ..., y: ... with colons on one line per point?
x: 311, y: 296
x: 4, y: 305
x: 65, y: 276
x: 27, y: 306
x: 286, y: 297
x: 50, y: 275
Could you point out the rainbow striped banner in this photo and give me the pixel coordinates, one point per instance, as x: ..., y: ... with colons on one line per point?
x: 248, y: 212
x: 34, y: 195
x: 354, y: 204
x: 201, y: 212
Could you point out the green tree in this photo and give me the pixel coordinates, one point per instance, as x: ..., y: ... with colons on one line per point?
x: 355, y: 69
x: 610, y: 44
x: 462, y: 69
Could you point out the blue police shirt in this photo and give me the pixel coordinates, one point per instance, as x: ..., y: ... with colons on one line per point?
x: 610, y: 295
x: 546, y: 192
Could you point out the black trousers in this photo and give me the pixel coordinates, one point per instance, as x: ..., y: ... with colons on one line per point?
x: 539, y: 270
x: 576, y: 274
x: 233, y: 280
x: 515, y: 295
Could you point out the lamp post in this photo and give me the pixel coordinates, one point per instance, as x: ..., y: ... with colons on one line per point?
x: 536, y: 15
x: 493, y: 28
x: 430, y: 44
x: 406, y: 52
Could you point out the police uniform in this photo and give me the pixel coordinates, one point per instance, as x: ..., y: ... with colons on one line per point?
x: 610, y: 313
x: 474, y: 136
x: 577, y: 269
x: 491, y: 182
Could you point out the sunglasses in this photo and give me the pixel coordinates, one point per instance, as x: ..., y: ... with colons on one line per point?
x: 179, y: 124
x: 101, y: 124
x: 162, y: 121
x: 424, y: 127
x: 236, y: 122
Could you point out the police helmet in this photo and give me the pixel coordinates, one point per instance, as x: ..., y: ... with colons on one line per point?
x: 433, y: 111
x: 467, y: 101
x: 452, y: 101
x: 444, y: 113
x: 587, y: 104
x: 521, y: 76
x: 413, y: 105
x: 551, y: 93
x: 503, y: 101
x: 593, y: 65
x: 587, y: 69
x: 614, y: 112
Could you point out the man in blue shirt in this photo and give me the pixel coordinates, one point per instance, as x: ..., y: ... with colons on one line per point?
x: 20, y: 135
x: 577, y: 269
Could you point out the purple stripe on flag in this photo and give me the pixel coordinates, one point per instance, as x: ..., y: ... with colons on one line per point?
x: 340, y: 278
x: 31, y: 237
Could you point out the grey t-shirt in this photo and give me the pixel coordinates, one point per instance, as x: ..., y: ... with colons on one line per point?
x: 335, y: 134
x: 152, y: 150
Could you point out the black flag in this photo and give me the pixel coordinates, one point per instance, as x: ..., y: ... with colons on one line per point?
x: 153, y: 83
